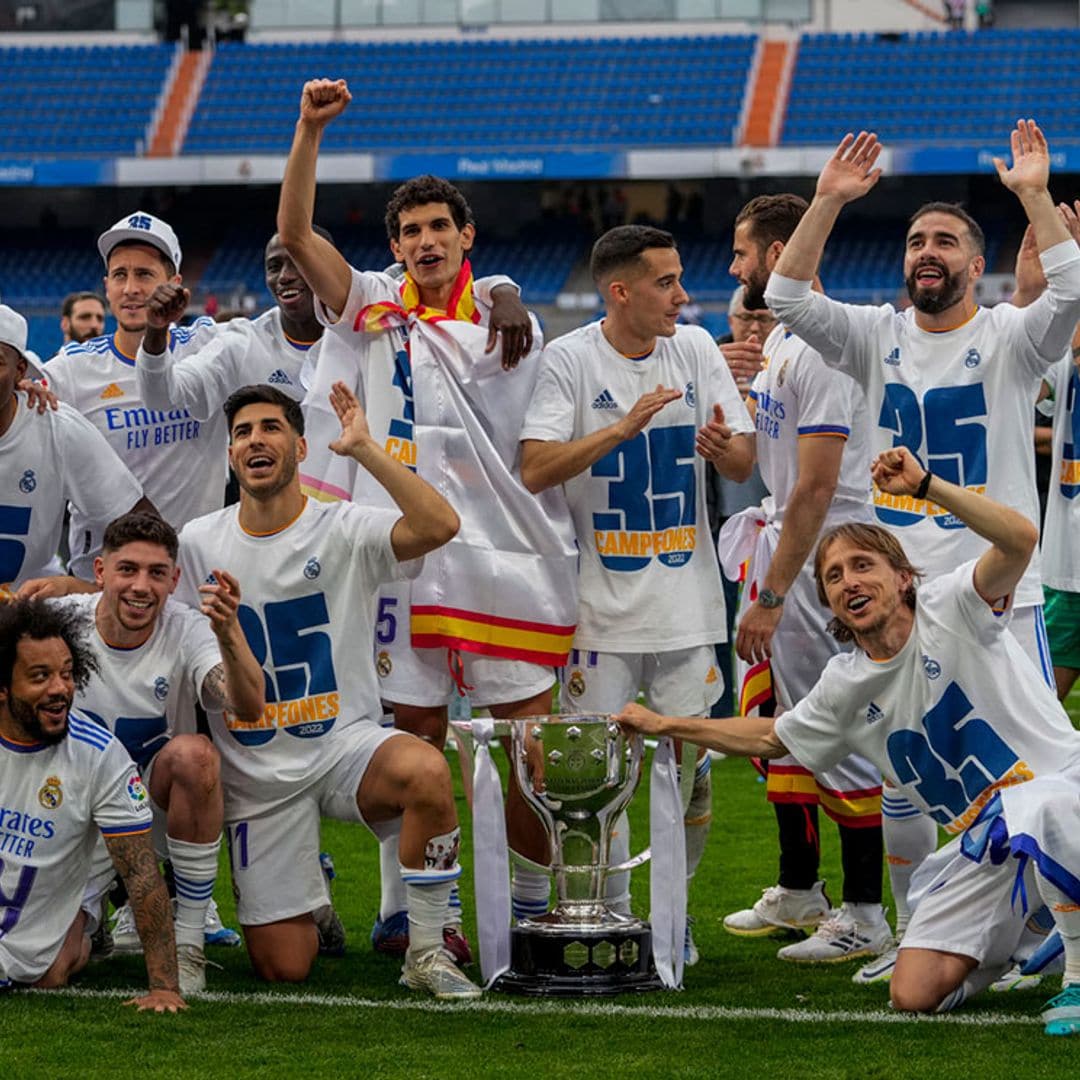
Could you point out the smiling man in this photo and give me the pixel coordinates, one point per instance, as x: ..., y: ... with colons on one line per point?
x: 312, y: 571
x: 65, y: 782
x: 154, y: 660
x: 627, y: 415
x: 419, y: 353
x: 949, y: 380
x: 280, y: 348
x: 176, y: 458
x: 941, y: 697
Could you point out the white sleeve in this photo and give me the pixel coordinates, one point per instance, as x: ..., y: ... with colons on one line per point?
x: 199, y: 381
x: 368, y: 287
x: 368, y: 532
x: 1048, y: 324
x: 95, y: 480
x: 953, y: 601
x: 120, y: 805
x: 200, y: 651
x: 485, y: 286
x: 812, y: 730
x: 550, y: 415
x: 841, y: 333
x: 721, y: 390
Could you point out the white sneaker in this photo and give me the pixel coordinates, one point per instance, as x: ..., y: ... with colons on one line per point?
x: 879, y: 970
x: 124, y: 932
x: 1014, y: 979
x: 840, y: 937
x: 780, y: 909
x: 434, y: 970
x: 191, y: 963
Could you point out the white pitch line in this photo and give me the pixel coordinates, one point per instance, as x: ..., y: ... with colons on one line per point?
x: 491, y: 1006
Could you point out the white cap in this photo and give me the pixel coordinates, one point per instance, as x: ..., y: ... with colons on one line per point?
x: 13, y: 329
x: 143, y: 228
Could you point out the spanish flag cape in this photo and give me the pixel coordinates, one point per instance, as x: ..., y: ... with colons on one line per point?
x: 506, y: 585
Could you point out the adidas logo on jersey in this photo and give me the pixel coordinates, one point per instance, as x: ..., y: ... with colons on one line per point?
x: 111, y: 391
x: 874, y: 714
x: 279, y: 377
x: 604, y: 400
x: 894, y: 357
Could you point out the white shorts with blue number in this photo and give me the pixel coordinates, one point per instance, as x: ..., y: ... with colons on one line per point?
x: 275, y: 856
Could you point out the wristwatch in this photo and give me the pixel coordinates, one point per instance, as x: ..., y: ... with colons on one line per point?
x: 768, y: 599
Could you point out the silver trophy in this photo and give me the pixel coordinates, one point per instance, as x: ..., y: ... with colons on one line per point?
x: 578, y: 773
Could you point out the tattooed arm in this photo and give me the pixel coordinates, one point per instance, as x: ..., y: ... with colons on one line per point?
x: 135, y: 862
x: 235, y: 685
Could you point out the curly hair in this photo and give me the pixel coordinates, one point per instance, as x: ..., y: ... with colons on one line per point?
x: 421, y: 190
x: 40, y: 620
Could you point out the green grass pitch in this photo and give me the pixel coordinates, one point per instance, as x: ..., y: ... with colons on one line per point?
x: 742, y: 1012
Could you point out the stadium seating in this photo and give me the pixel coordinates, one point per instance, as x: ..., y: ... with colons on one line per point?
x: 540, y: 264
x: 92, y: 101
x: 481, y: 95
x: 929, y: 87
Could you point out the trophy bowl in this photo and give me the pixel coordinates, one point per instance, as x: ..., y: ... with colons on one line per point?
x: 578, y: 773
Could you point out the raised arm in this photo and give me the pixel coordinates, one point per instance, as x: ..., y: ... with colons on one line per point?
x: 547, y: 464
x: 1012, y: 536
x: 135, y: 862
x: 1028, y: 179
x: 848, y: 175
x: 236, y: 685
x: 323, y: 266
x: 428, y: 521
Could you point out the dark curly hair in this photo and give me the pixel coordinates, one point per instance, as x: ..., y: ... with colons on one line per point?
x: 421, y: 190
x: 40, y: 620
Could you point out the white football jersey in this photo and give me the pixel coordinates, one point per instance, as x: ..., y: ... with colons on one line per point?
x: 961, y: 400
x: 248, y: 352
x: 46, y: 461
x: 1061, y: 529
x: 178, y: 459
x: 957, y: 714
x: 649, y: 578
x: 55, y: 801
x: 308, y: 612
x: 798, y: 397
x: 145, y: 694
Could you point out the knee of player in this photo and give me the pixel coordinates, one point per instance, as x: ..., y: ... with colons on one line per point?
x: 426, y: 777
x: 908, y: 995
x: 194, y: 758
x: 283, y: 967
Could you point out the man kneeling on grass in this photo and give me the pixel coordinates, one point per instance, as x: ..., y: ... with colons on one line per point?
x: 940, y: 695
x: 63, y: 781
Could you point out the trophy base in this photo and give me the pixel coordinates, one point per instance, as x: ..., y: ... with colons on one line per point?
x: 565, y: 961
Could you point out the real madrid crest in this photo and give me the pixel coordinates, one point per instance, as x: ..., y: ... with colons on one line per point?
x: 783, y: 372
x: 49, y: 794
x: 576, y: 683
x: 383, y: 664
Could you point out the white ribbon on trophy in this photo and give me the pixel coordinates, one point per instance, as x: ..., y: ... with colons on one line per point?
x: 667, y: 881
x: 491, y: 864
